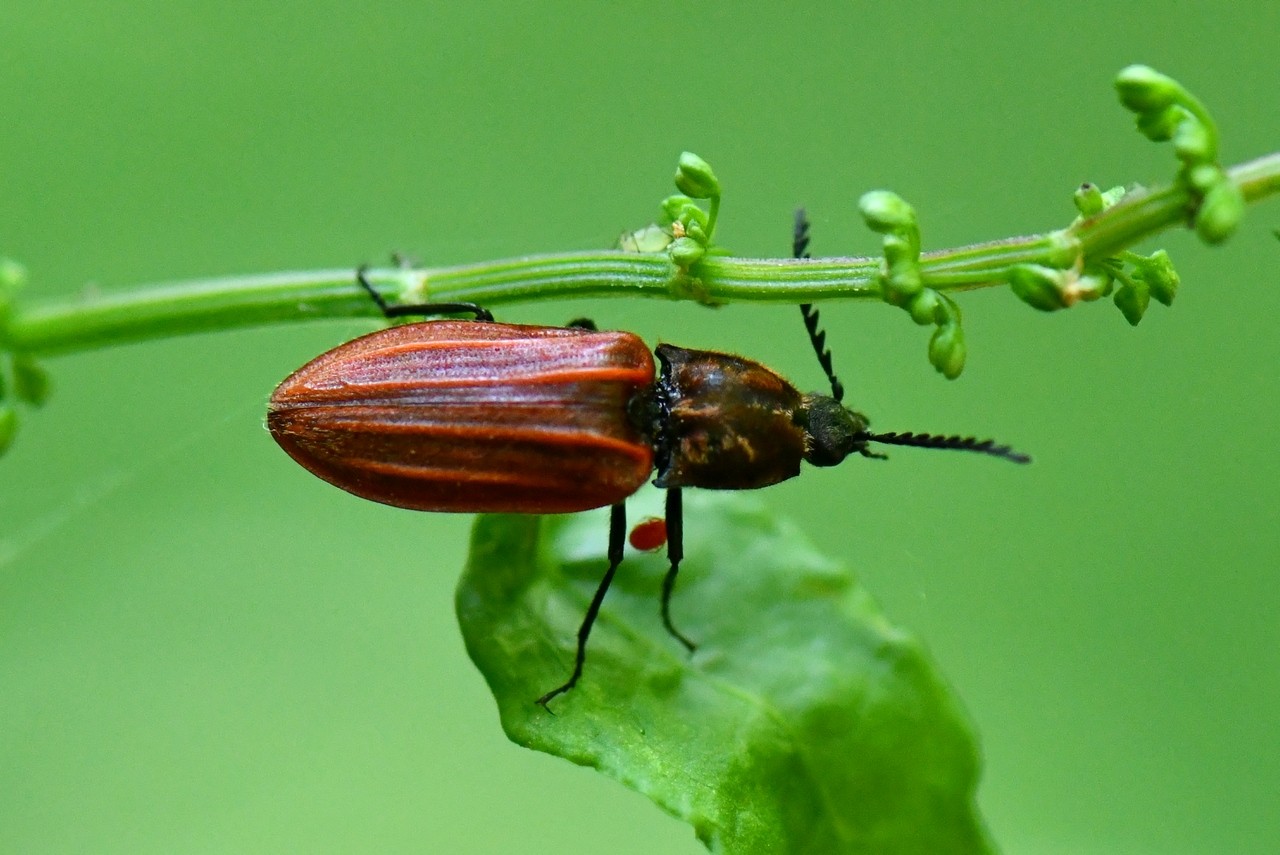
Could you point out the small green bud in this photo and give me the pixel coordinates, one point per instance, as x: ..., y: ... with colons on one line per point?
x: 1160, y: 125
x: 651, y: 238
x: 683, y: 210
x: 8, y: 426
x: 1038, y: 287
x: 1132, y: 299
x: 1192, y: 143
x: 924, y: 307
x: 947, y: 350
x: 695, y: 230
x: 695, y: 178
x: 12, y: 277
x: 902, y: 285
x: 1142, y: 89
x: 686, y: 252
x: 1088, y: 199
x: 1157, y: 271
x: 673, y: 207
x: 30, y: 381
x: 885, y: 212
x: 1203, y: 177
x: 694, y: 215
x: 1220, y: 212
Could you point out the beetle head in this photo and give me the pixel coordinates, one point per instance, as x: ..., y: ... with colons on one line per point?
x: 833, y: 431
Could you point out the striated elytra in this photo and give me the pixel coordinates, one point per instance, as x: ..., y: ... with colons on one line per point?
x: 472, y: 417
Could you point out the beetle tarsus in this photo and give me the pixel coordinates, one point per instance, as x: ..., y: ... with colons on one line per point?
x: 668, y: 586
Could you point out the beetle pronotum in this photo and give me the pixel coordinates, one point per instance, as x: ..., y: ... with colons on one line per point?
x: 483, y: 417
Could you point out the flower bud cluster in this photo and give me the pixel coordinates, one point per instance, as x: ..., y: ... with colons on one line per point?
x: 1169, y: 113
x: 690, y: 226
x: 902, y: 284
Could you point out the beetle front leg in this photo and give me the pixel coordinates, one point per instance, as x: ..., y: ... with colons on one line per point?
x: 389, y: 311
x: 675, y: 553
x: 617, y: 537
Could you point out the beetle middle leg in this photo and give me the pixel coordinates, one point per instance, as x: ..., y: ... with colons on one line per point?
x: 675, y: 554
x: 617, y: 537
x: 400, y: 311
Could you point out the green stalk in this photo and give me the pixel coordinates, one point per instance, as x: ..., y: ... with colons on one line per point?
x: 86, y: 322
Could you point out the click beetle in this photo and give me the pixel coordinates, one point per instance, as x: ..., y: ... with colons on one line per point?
x: 473, y: 416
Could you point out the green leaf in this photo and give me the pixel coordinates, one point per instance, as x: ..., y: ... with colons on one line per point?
x: 804, y: 723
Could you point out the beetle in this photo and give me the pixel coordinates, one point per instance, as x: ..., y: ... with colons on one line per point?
x: 474, y: 416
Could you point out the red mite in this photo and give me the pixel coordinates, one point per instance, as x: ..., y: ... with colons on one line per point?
x: 649, y: 535
x: 482, y: 417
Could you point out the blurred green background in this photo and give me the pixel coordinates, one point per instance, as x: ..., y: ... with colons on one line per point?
x: 205, y: 649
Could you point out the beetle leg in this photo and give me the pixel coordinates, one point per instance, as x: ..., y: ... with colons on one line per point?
x: 675, y: 553
x: 400, y: 311
x: 818, y: 338
x: 617, y: 537
x: 582, y: 324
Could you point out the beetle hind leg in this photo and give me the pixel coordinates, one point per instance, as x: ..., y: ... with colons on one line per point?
x: 617, y: 537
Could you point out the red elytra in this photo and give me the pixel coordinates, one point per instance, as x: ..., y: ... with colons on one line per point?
x: 472, y: 417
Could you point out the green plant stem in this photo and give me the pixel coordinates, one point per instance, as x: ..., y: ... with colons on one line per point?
x: 91, y: 321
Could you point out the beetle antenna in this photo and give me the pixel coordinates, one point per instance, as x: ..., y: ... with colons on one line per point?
x: 952, y: 443
x: 817, y: 337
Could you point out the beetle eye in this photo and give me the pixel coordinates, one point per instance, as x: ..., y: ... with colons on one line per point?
x: 833, y: 431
